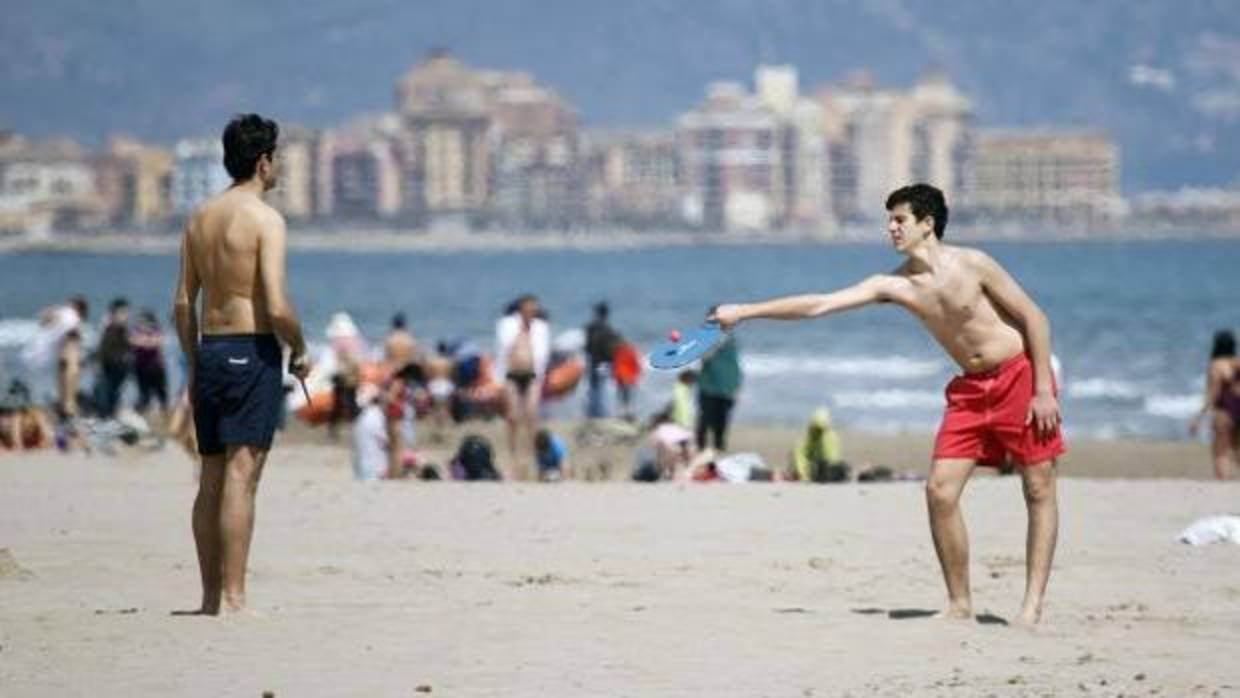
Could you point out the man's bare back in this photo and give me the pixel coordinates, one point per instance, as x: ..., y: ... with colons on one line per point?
x: 399, y: 348
x: 234, y: 251
x: 223, y: 243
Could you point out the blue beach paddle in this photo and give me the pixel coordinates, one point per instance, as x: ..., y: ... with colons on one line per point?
x: 688, y: 348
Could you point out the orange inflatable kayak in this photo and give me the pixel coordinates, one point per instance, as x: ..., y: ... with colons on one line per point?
x: 562, y: 378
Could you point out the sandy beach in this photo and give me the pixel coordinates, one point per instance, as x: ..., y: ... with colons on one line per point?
x: 612, y: 589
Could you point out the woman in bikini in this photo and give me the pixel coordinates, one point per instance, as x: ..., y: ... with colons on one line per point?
x: 1222, y: 398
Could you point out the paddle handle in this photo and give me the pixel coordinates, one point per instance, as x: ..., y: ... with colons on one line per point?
x: 304, y: 391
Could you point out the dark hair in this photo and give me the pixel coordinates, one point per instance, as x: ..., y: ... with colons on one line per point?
x: 148, y: 317
x: 1224, y: 344
x: 117, y: 304
x: 247, y: 138
x: 515, y: 305
x: 924, y: 200
x: 601, y: 309
x: 542, y: 440
x: 80, y: 305
x: 398, y: 321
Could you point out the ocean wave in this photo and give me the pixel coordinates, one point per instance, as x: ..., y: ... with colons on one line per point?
x: 890, y: 399
x: 1103, y: 389
x: 1177, y: 406
x: 17, y: 332
x: 872, y: 367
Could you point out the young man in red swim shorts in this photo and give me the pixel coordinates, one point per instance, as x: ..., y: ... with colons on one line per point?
x: 1003, y: 408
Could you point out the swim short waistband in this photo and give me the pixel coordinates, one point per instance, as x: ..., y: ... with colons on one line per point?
x: 1003, y: 367
x: 243, y: 338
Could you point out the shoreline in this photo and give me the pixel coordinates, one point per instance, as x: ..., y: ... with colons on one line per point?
x: 1128, y: 458
x: 369, y: 241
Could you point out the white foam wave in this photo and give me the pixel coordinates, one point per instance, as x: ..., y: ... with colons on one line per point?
x: 1103, y: 389
x: 871, y: 367
x: 17, y: 332
x: 891, y: 399
x: 1176, y: 406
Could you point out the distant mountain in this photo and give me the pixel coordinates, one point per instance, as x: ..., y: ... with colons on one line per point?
x: 1163, y: 77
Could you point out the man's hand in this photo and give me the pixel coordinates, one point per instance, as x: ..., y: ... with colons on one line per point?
x: 728, y: 315
x: 299, y: 366
x: 1044, y: 415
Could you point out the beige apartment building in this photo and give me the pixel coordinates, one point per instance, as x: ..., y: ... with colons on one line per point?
x: 1043, y: 174
x: 881, y: 139
x: 754, y: 161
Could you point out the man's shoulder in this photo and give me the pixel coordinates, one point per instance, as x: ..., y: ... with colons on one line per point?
x: 250, y: 207
x: 887, y: 284
x: 970, y: 255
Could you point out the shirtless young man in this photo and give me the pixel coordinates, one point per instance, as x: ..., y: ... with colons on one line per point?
x: 1004, y: 405
x: 399, y: 347
x: 233, y: 250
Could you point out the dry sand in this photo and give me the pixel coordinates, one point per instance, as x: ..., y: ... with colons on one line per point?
x: 611, y: 589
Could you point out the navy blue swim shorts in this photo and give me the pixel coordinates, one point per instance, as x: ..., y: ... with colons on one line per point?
x: 238, y: 389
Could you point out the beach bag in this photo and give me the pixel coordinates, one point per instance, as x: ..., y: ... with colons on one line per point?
x: 474, y: 460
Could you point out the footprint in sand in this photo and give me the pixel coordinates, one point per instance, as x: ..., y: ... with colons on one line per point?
x: 10, y: 569
x: 539, y: 580
x: 821, y: 563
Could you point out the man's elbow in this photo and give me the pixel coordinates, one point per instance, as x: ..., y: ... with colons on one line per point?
x: 1034, y: 319
x: 281, y: 314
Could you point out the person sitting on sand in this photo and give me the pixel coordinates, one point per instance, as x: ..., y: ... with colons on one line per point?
x: 23, y: 425
x: 817, y: 455
x: 551, y: 455
x: 673, y: 446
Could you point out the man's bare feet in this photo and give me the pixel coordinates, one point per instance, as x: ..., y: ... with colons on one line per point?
x: 234, y: 607
x: 241, y: 612
x: 1029, y: 616
x: 956, y: 611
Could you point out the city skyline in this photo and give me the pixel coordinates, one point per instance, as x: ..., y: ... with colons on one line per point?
x: 478, y: 148
x: 1158, y: 77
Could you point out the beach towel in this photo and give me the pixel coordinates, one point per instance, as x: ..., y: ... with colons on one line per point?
x: 1212, y: 529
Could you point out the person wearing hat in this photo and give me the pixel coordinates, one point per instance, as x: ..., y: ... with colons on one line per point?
x: 818, y: 450
x: 370, y: 435
x: 347, y: 350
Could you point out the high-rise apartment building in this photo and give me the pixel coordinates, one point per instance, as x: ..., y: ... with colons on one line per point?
x: 1043, y: 174
x: 881, y: 139
x: 197, y: 173
x: 631, y: 178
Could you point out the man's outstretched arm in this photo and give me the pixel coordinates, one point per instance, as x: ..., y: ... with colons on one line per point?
x: 872, y: 290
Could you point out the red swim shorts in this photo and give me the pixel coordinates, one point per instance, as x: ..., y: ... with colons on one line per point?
x: 985, y: 418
